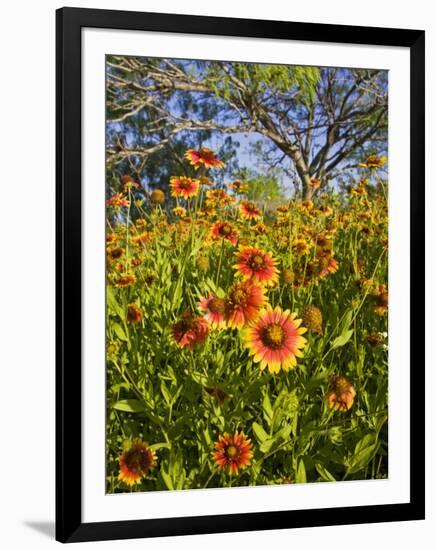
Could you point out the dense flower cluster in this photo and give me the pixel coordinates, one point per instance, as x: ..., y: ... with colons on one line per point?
x: 229, y: 317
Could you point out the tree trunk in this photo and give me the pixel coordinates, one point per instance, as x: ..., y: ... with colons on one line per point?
x: 302, y: 170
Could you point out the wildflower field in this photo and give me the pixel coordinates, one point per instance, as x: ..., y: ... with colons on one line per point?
x: 245, y: 347
x: 246, y: 339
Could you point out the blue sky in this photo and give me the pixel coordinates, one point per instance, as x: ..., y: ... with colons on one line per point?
x: 245, y: 155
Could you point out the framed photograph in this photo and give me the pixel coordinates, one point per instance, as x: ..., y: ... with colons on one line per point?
x: 240, y: 275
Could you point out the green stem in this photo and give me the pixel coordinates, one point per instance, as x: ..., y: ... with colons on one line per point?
x: 209, y: 479
x: 219, y: 264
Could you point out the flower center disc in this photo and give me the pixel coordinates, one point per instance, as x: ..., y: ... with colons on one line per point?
x: 256, y: 262
x: 205, y: 155
x: 225, y: 230
x: 238, y: 297
x: 136, y: 460
x: 231, y: 451
x: 185, y: 183
x: 216, y: 305
x: 273, y: 335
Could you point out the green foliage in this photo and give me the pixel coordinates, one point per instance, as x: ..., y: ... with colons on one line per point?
x: 265, y: 189
x: 180, y: 401
x: 259, y: 79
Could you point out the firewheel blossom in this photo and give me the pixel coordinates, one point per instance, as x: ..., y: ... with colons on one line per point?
x: 136, y: 462
x: 243, y: 303
x: 340, y: 395
x: 224, y: 230
x: 184, y: 187
x: 249, y: 210
x: 134, y: 313
x: 373, y: 162
x: 205, y: 157
x: 213, y: 309
x: 275, y: 339
x: 190, y: 331
x: 256, y: 265
x: 233, y: 453
x: 118, y: 200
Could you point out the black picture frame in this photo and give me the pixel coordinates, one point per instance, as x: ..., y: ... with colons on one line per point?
x: 69, y: 525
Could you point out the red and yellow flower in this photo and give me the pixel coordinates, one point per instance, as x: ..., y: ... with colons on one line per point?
x: 112, y: 238
x: 233, y: 453
x: 179, y: 211
x: 136, y: 462
x: 218, y: 198
x: 238, y: 186
x: 129, y: 183
x: 143, y: 238
x: 127, y: 279
x: 259, y: 229
x: 184, y: 187
x: 216, y: 393
x: 275, y: 339
x: 327, y: 265
x: 114, y: 253
x: 118, y: 200
x: 243, y: 303
x: 314, y: 183
x: 249, y: 210
x: 134, y: 313
x: 256, y: 265
x: 204, y: 180
x: 340, y: 395
x: 381, y: 300
x: 207, y: 211
x: 213, y: 309
x: 373, y: 161
x: 224, y: 230
x: 205, y: 157
x: 300, y: 246
x: 190, y: 331
x: 140, y: 223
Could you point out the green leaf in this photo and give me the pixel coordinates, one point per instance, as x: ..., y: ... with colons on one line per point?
x: 265, y: 447
x: 158, y: 446
x: 167, y: 479
x: 112, y: 303
x: 268, y: 412
x: 177, y: 295
x: 165, y: 392
x: 324, y: 473
x: 181, y: 480
x: 129, y: 405
x: 119, y: 331
x: 210, y: 284
x: 342, y: 339
x: 198, y: 377
x: 177, y: 394
x: 346, y: 322
x: 335, y: 435
x: 300, y: 476
x: 284, y: 433
x: 117, y: 387
x: 259, y: 432
x: 363, y: 453
x: 278, y: 417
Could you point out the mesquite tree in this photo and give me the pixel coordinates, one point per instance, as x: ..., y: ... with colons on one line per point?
x: 319, y: 120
